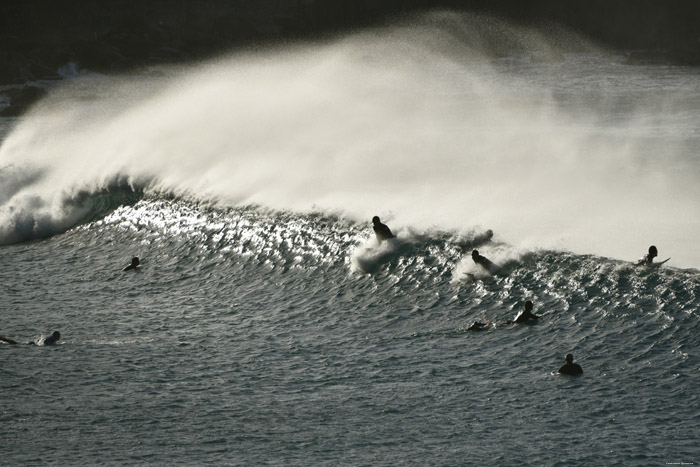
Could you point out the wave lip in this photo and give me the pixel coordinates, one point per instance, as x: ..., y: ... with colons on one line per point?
x: 26, y: 216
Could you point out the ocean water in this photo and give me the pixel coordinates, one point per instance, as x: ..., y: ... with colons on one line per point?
x: 266, y: 325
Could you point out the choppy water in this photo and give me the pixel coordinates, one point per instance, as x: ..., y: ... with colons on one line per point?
x: 280, y: 333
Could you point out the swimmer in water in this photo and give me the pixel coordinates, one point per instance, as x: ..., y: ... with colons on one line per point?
x: 482, y: 261
x: 648, y: 259
x: 570, y: 368
x: 51, y: 340
x: 525, y: 315
x: 7, y: 341
x: 478, y: 326
x: 134, y: 264
x: 382, y: 231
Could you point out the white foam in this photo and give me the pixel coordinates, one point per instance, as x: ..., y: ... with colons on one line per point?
x: 407, y: 120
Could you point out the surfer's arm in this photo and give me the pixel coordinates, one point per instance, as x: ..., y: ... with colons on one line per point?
x: 8, y: 341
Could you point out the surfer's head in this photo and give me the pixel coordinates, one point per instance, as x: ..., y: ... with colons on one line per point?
x: 375, y: 220
x: 653, y: 251
x: 569, y: 358
x: 135, y: 261
x: 528, y: 305
x: 489, y: 233
x: 475, y: 253
x: 56, y: 335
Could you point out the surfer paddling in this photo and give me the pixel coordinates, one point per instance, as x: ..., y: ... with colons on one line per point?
x: 478, y: 326
x: 648, y: 259
x: 570, y: 368
x: 135, y: 263
x: 51, y: 340
x: 7, y: 341
x: 382, y: 231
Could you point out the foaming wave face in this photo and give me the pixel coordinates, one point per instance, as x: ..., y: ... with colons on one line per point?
x: 425, y: 123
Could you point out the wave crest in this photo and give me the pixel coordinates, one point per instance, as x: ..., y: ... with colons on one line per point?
x: 29, y: 215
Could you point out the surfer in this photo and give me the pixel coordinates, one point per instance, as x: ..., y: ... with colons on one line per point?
x: 525, y: 315
x: 478, y: 326
x: 51, y: 340
x: 7, y: 341
x: 134, y: 264
x: 482, y: 261
x: 382, y: 231
x: 648, y: 259
x: 570, y: 368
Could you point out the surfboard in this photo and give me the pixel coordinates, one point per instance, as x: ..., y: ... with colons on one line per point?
x: 656, y: 265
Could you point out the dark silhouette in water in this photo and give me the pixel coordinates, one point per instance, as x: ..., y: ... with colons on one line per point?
x: 134, y: 264
x: 478, y: 326
x: 524, y: 316
x: 382, y: 231
x: 648, y: 259
x: 51, y: 340
x: 482, y: 261
x: 7, y: 341
x: 570, y: 368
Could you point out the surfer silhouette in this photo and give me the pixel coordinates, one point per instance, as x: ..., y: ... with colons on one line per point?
x: 648, y: 259
x: 134, y: 264
x: 482, y: 261
x: 478, y: 326
x: 570, y: 368
x: 382, y: 231
x: 525, y: 315
x: 7, y: 341
x: 51, y: 340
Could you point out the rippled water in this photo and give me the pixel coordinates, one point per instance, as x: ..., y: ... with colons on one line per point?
x: 250, y: 336
x: 266, y: 325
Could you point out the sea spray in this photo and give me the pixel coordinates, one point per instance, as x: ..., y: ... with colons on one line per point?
x: 428, y: 121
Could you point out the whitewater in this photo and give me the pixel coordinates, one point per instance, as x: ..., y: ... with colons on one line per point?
x: 267, y: 325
